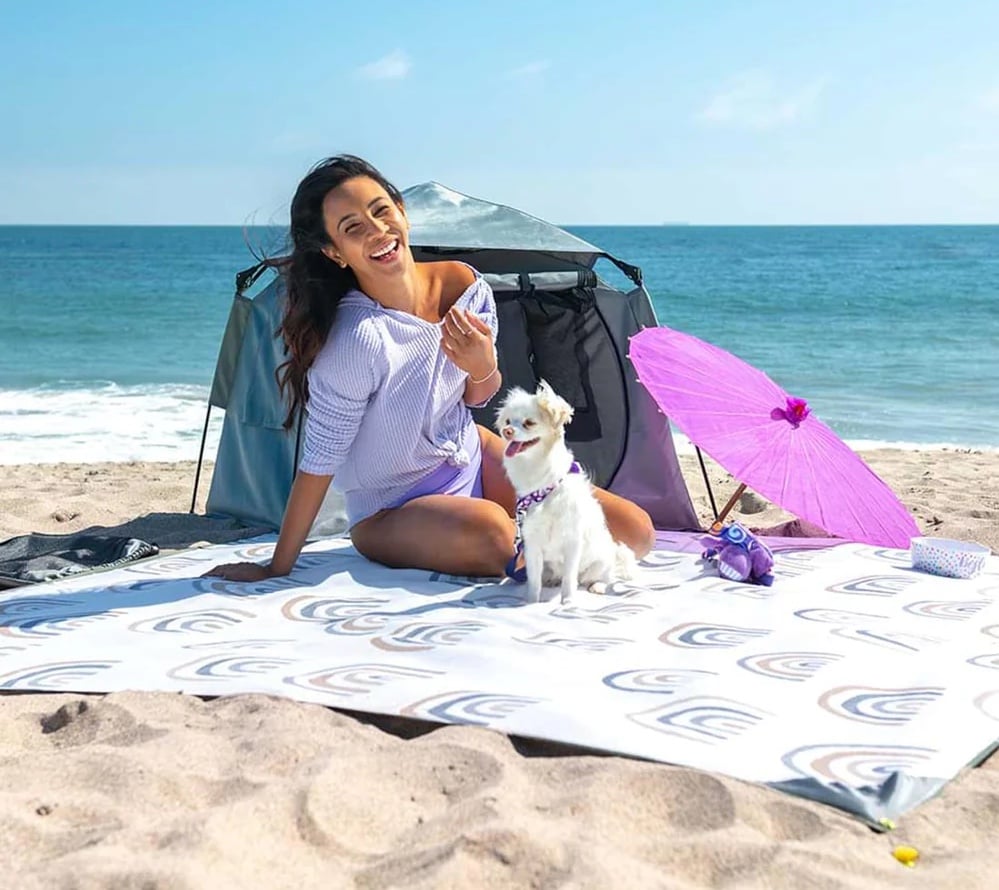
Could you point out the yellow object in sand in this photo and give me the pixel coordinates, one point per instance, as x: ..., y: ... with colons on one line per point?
x: 906, y: 855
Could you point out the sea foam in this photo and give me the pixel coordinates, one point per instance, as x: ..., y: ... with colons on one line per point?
x: 102, y: 421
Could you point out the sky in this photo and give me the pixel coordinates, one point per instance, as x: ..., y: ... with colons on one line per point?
x: 716, y: 113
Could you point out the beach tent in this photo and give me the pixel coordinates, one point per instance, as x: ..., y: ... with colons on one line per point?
x: 559, y: 320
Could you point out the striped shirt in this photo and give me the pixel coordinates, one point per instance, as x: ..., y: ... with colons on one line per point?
x: 386, y: 406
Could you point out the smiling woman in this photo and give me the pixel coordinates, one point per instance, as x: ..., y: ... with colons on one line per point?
x: 365, y: 219
x: 388, y: 355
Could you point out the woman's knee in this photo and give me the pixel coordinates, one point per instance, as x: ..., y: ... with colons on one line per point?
x: 494, y: 537
x: 366, y: 535
x: 628, y: 523
x: 644, y: 533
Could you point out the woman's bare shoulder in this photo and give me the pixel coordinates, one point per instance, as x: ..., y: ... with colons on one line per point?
x: 464, y: 275
x: 452, y: 278
x: 447, y: 280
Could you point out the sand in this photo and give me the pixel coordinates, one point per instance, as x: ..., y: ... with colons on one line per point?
x: 952, y: 494
x: 157, y: 790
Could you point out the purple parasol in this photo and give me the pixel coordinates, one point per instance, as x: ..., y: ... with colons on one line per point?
x: 767, y: 439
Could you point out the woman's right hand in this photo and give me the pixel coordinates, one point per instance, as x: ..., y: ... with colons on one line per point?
x: 307, y: 493
x: 240, y: 571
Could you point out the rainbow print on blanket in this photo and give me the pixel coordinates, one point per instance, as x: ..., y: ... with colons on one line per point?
x: 853, y: 679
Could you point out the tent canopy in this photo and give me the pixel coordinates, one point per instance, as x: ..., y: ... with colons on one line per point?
x: 557, y: 321
x: 444, y: 218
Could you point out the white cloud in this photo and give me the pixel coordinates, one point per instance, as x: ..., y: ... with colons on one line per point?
x: 752, y: 101
x: 531, y: 69
x: 394, y: 66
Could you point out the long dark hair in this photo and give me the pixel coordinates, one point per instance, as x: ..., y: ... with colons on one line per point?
x: 314, y: 283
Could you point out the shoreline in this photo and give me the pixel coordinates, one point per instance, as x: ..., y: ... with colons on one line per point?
x: 952, y: 494
x: 15, y: 454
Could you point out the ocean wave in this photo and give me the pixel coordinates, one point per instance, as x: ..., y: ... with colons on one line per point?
x: 102, y: 421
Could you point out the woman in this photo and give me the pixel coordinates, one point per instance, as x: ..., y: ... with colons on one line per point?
x: 389, y: 354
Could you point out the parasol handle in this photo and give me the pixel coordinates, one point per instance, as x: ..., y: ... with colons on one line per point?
x: 717, y: 524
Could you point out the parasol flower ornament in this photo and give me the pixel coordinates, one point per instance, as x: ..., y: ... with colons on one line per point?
x: 794, y: 412
x: 785, y: 453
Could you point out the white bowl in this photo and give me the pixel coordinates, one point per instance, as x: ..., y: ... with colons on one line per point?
x: 952, y: 559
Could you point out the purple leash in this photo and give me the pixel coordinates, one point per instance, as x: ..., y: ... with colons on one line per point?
x: 523, y: 505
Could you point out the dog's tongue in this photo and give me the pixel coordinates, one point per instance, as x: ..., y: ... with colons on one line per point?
x: 514, y: 448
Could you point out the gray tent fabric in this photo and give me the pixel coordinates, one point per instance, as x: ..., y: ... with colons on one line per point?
x: 442, y: 217
x: 557, y: 319
x: 232, y: 345
x: 256, y: 460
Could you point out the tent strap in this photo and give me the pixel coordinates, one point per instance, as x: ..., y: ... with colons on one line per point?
x: 633, y: 272
x: 246, y: 278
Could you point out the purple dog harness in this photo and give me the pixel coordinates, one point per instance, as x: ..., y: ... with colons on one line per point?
x: 524, y: 504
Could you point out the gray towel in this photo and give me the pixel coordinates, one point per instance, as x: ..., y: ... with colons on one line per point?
x: 37, y: 557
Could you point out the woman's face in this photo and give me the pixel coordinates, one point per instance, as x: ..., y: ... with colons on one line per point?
x: 368, y: 229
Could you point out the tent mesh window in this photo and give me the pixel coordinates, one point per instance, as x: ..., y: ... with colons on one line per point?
x: 560, y: 336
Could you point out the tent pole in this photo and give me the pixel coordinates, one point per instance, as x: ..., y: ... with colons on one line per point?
x: 201, y: 457
x: 704, y: 473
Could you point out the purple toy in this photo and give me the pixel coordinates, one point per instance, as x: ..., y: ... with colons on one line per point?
x: 740, y: 555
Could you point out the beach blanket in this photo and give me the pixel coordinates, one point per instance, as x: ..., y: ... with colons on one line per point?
x: 853, y: 680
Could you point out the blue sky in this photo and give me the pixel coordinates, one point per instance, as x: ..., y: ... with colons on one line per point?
x: 580, y: 112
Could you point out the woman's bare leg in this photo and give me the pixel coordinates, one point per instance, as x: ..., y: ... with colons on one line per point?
x: 439, y: 533
x: 628, y: 523
x: 496, y: 485
x: 474, y: 536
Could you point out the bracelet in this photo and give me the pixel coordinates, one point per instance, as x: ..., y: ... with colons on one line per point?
x: 484, y: 379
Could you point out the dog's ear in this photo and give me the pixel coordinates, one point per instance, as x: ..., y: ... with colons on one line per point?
x: 555, y: 408
x: 512, y: 393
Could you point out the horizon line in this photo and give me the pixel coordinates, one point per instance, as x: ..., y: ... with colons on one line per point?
x: 563, y: 225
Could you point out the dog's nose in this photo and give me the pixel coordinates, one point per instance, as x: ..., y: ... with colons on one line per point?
x: 508, y: 432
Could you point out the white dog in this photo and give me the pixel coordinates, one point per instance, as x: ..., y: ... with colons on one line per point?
x: 559, y: 522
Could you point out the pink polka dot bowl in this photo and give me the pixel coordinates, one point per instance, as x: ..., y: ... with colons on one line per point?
x: 952, y: 559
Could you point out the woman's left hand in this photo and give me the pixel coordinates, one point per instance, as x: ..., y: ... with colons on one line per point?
x: 468, y: 341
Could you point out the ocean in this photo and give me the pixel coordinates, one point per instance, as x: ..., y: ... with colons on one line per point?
x: 110, y: 334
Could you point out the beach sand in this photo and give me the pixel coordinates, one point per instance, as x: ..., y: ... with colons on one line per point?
x: 155, y: 790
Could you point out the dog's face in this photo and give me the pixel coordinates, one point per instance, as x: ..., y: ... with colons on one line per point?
x: 526, y: 420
